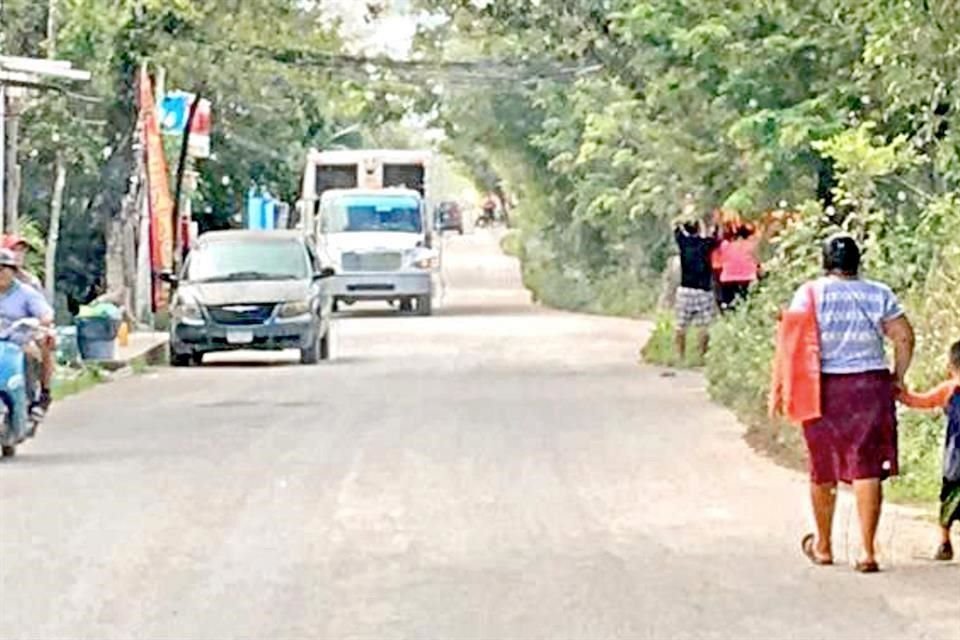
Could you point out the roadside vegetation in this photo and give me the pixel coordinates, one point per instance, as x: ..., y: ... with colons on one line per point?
x: 70, y: 381
x: 845, y: 113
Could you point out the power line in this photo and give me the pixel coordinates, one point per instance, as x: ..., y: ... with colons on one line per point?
x: 482, y: 70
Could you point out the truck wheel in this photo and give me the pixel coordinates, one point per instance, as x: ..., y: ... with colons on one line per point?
x: 9, y: 450
x: 424, y: 305
x: 406, y: 305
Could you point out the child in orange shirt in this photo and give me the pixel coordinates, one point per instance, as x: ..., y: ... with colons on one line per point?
x: 947, y: 397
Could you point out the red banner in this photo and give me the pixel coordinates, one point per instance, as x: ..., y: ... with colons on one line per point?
x: 158, y: 192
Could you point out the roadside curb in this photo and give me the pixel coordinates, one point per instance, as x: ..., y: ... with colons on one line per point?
x: 153, y: 352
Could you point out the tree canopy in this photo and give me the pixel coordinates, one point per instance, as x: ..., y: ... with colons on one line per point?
x: 747, y: 106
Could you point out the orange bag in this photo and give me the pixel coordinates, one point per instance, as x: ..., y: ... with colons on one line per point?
x: 795, y: 389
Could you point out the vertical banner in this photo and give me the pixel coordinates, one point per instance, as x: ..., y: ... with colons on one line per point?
x: 159, y: 200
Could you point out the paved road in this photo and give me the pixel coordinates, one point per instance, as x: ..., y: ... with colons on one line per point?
x: 496, y: 471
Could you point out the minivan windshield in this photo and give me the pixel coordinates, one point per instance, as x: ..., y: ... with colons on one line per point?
x: 238, y: 260
x: 348, y: 213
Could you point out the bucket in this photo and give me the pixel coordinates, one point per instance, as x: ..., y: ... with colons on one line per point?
x: 96, y: 338
x: 68, y: 352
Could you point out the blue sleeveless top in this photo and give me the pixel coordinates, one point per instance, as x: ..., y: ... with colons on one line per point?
x: 951, y: 448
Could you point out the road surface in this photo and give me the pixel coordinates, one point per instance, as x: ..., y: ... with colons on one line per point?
x: 495, y: 471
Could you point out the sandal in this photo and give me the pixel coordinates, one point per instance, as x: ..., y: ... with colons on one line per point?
x: 809, y: 550
x: 944, y: 552
x: 863, y: 566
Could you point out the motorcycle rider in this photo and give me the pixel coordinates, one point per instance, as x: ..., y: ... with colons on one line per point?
x: 20, y: 248
x: 489, y: 215
x: 48, y: 344
x: 19, y: 301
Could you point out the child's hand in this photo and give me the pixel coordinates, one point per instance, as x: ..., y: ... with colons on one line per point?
x: 900, y: 391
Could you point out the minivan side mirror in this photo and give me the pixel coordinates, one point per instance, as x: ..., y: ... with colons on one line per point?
x: 324, y: 273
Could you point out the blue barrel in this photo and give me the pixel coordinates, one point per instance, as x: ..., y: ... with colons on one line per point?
x: 97, y: 338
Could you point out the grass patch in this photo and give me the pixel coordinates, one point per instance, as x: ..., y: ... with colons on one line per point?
x: 69, y: 382
x: 139, y: 366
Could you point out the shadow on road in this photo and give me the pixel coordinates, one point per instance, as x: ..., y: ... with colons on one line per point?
x: 250, y: 364
x: 29, y: 460
x: 455, y: 310
x: 488, y: 310
x: 374, y: 313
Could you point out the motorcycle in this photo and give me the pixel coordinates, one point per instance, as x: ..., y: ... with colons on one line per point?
x: 487, y: 219
x: 16, y: 423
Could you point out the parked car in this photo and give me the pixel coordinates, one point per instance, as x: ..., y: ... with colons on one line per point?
x: 449, y: 217
x: 250, y: 290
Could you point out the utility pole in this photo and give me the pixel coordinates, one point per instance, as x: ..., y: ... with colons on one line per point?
x: 3, y: 128
x: 12, y: 190
x: 3, y: 154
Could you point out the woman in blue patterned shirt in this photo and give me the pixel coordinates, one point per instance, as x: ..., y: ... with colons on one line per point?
x: 855, y: 439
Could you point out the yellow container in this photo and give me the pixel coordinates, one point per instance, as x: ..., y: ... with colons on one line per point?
x: 123, y: 335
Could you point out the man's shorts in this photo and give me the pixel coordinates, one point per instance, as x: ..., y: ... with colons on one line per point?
x: 695, y: 307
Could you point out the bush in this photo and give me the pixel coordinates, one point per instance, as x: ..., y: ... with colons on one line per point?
x: 512, y: 245
x: 615, y: 291
x: 661, y: 349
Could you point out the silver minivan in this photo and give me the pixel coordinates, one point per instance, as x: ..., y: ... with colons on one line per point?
x: 262, y: 290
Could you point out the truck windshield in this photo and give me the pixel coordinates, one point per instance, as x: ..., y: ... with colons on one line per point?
x: 372, y: 213
x: 247, y: 260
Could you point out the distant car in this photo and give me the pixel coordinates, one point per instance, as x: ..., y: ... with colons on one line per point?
x: 449, y: 217
x: 250, y: 290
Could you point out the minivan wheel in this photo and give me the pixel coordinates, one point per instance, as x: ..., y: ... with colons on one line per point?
x: 406, y: 305
x: 8, y: 450
x: 311, y: 354
x: 325, y: 346
x: 180, y: 359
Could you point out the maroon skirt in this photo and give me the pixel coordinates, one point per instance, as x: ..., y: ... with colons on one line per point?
x: 856, y: 438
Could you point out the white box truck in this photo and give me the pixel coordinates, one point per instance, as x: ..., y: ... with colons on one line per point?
x: 367, y: 213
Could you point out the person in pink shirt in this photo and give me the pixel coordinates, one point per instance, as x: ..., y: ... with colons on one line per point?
x: 739, y: 266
